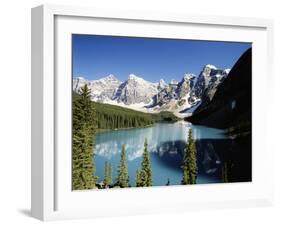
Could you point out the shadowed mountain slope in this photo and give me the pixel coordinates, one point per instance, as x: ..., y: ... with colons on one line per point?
x: 231, y: 106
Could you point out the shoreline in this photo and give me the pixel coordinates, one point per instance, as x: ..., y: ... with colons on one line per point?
x: 127, y: 128
x: 181, y: 122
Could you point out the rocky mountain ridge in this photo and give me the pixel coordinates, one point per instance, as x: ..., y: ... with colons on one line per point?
x: 139, y: 94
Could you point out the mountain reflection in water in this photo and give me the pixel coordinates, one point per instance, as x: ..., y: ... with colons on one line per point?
x: 216, y: 155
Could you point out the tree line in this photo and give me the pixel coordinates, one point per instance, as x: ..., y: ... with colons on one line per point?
x: 85, y: 126
x: 116, y: 117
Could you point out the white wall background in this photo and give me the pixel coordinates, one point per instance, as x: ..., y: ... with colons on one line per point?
x: 15, y: 112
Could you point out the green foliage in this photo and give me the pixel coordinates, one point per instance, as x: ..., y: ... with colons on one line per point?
x: 84, y: 128
x: 115, y: 117
x: 138, y: 179
x: 107, y: 174
x: 90, y: 117
x: 225, y: 172
x: 123, y: 176
x: 164, y: 116
x: 189, y: 165
x: 144, y: 176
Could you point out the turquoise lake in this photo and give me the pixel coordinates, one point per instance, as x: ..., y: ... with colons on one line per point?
x: 166, y: 143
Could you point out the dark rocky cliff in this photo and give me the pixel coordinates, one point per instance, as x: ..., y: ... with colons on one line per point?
x: 231, y: 106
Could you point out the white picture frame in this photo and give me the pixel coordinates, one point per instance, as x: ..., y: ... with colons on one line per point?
x: 52, y: 197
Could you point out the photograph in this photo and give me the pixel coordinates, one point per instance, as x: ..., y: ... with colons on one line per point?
x: 150, y: 111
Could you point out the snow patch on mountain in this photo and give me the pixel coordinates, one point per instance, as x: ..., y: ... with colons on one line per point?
x: 135, y: 90
x: 101, y: 89
x: 180, y: 97
x: 211, y: 66
x: 162, y: 84
x: 226, y: 71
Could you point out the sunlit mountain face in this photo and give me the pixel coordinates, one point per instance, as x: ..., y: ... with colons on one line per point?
x: 139, y: 94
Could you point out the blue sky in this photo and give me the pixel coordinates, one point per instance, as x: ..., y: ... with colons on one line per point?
x: 96, y: 56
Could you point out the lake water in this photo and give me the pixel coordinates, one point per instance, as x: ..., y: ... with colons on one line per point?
x: 166, y: 143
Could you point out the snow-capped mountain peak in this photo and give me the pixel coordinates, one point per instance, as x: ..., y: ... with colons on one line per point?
x: 101, y: 89
x: 137, y: 93
x: 134, y: 77
x: 110, y: 77
x: 162, y: 81
x: 207, y: 83
x: 80, y: 78
x: 211, y: 66
x: 227, y: 70
x: 188, y: 76
x: 174, y: 82
x: 135, y: 90
x: 162, y: 84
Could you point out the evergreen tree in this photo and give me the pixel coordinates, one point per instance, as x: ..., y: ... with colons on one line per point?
x: 189, y: 165
x: 123, y: 176
x: 107, y: 174
x: 144, y: 176
x: 105, y: 178
x: 109, y: 171
x: 225, y: 172
x: 114, y: 117
x: 84, y: 128
x: 193, y: 162
x: 138, y: 179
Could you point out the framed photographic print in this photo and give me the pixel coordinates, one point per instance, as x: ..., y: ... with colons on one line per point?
x: 137, y: 112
